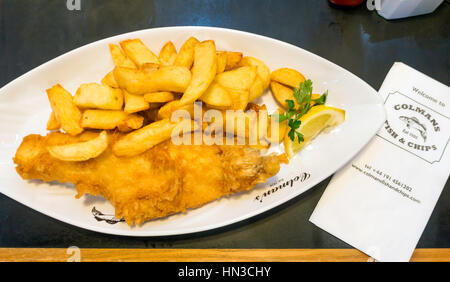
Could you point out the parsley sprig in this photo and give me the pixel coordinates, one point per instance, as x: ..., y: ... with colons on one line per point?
x: 303, y: 97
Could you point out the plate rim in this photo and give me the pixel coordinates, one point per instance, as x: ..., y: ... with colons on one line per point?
x: 149, y: 233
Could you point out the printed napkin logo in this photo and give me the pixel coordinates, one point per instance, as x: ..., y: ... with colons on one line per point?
x: 414, y: 124
x: 415, y: 127
x: 73, y: 5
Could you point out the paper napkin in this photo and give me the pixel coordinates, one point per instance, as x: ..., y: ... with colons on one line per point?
x: 381, y: 201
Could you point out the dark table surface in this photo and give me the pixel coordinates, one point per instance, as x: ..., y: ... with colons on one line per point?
x: 33, y: 32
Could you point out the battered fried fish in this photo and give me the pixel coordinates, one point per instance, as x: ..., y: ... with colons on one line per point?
x: 164, y: 180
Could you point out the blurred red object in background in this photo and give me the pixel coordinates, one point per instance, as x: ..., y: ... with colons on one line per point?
x: 350, y: 3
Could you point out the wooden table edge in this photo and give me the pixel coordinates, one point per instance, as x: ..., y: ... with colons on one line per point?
x: 205, y: 255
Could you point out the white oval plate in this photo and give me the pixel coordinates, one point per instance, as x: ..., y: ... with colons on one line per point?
x: 24, y: 109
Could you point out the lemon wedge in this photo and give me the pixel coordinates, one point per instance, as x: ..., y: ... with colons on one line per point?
x: 312, y: 123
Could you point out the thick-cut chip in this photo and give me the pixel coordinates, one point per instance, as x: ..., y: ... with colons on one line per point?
x: 166, y: 78
x: 159, y: 97
x: 105, y: 119
x: 65, y: 109
x: 93, y: 95
x: 241, y: 78
x: 134, y: 103
x: 276, y: 131
x: 262, y: 79
x: 130, y: 122
x: 233, y: 59
x: 167, y: 110
x: 221, y: 61
x: 81, y: 151
x: 257, y: 89
x: 150, y: 67
x: 287, y: 76
x: 119, y: 58
x: 143, y: 139
x: 185, y: 58
x: 53, y: 123
x: 203, y: 71
x: 110, y: 80
x: 283, y: 93
x: 138, y: 52
x: 102, y: 119
x: 262, y: 70
x: 168, y: 54
x: 239, y: 98
x: 216, y: 96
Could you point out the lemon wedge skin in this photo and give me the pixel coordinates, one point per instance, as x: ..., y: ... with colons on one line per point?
x: 312, y: 123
